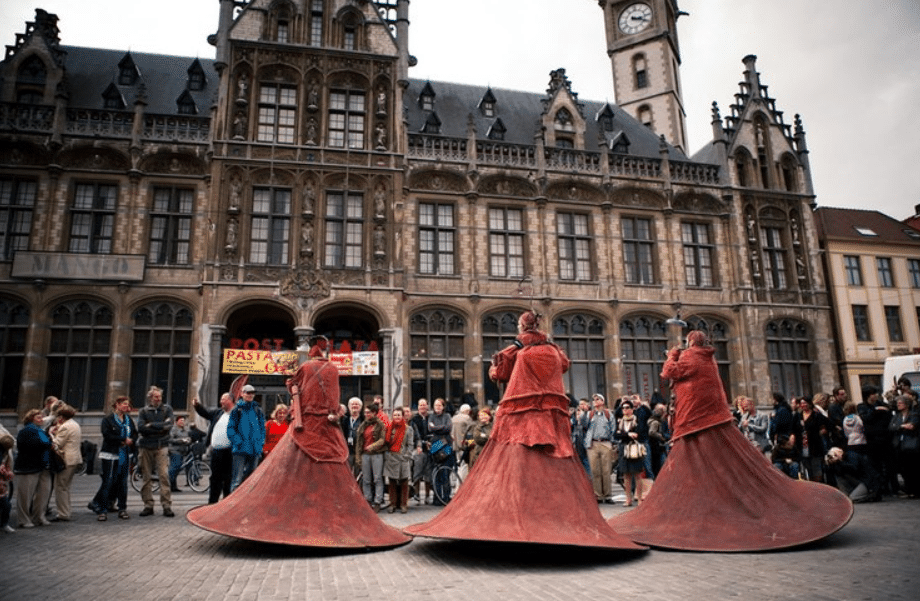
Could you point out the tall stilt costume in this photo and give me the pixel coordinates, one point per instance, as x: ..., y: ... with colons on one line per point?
x: 304, y: 494
x: 527, y: 485
x: 716, y: 491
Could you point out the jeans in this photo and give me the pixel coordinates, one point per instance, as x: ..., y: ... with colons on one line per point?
x: 372, y: 477
x: 243, y: 466
x: 114, y: 486
x: 175, y: 462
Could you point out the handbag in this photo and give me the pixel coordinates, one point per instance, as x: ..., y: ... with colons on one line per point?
x: 910, y: 443
x: 634, y: 450
x: 57, y: 462
x: 440, y: 450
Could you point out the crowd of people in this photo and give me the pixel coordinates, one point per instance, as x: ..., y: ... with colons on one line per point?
x: 867, y: 450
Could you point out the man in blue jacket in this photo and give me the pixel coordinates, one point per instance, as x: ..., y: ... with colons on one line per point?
x: 246, y: 430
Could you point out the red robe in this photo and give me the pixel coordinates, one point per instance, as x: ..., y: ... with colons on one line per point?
x: 716, y: 492
x: 527, y: 485
x: 304, y: 493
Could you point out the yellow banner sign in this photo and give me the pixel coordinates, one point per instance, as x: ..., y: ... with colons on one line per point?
x: 243, y: 361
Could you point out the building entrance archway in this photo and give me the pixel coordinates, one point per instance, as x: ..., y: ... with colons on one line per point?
x: 351, y: 329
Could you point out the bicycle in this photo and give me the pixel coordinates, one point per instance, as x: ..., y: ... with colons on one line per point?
x: 445, y: 478
x: 197, y: 474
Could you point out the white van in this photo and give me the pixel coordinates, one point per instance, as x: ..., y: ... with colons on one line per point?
x: 906, y: 366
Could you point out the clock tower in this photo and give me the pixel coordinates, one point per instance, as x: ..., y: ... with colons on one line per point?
x: 645, y: 56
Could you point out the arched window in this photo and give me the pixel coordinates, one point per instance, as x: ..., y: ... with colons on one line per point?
x: 643, y: 343
x: 790, y: 357
x: 717, y: 332
x: 498, y: 331
x: 316, y: 23
x: 743, y: 167
x: 162, y: 351
x: 582, y: 339
x: 78, y: 358
x: 645, y: 116
x: 437, y: 355
x: 30, y: 81
x: 14, y: 326
x: 640, y: 71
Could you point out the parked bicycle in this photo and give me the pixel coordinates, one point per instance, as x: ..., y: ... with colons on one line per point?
x: 195, y: 471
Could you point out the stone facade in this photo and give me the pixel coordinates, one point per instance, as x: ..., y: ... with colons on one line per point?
x: 314, y: 188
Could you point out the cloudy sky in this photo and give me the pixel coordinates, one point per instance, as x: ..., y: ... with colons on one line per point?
x: 850, y: 68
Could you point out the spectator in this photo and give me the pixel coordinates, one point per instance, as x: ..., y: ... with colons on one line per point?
x: 351, y: 424
x: 439, y: 427
x: 381, y: 413
x: 876, y: 416
x: 630, y: 431
x: 246, y: 430
x: 854, y: 475
x: 66, y: 437
x: 599, y: 425
x: 221, y: 448
x: 659, y: 435
x: 836, y: 402
x: 578, y: 432
x: 275, y: 428
x: 180, y: 441
x: 905, y: 428
x: 783, y: 423
x: 6, y: 476
x: 853, y: 430
x: 480, y: 433
x: 154, y: 422
x: 814, y: 427
x: 785, y: 456
x: 421, y: 461
x: 754, y: 424
x: 32, y: 469
x: 643, y: 413
x: 371, y: 447
x: 398, y: 460
x: 461, y: 423
x: 119, y: 433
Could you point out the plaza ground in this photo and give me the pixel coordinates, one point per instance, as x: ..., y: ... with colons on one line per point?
x: 157, y: 558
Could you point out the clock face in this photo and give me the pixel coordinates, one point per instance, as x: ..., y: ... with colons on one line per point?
x: 635, y: 18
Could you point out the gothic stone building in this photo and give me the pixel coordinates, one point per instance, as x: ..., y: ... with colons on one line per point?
x: 156, y: 210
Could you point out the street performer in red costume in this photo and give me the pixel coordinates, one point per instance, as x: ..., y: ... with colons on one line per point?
x: 304, y: 493
x: 527, y: 485
x: 716, y: 491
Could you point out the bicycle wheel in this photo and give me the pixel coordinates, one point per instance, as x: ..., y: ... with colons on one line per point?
x: 445, y: 481
x: 137, y: 480
x: 199, y: 476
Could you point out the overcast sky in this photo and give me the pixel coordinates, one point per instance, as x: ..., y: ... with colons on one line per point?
x: 850, y: 68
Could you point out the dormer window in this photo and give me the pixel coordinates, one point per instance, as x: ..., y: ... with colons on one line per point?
x: 196, y: 79
x: 30, y: 81
x: 563, y: 118
x: 620, y: 144
x: 565, y: 143
x: 112, y: 98
x: 497, y: 131
x: 432, y: 124
x: 127, y: 71
x: 426, y: 98
x: 185, y: 104
x: 605, y: 118
x: 487, y: 104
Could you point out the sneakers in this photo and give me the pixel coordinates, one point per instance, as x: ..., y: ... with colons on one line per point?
x: 9, y: 529
x: 146, y: 511
x: 167, y: 512
x: 124, y: 515
x: 27, y: 525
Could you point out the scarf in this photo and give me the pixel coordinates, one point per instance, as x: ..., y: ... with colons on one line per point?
x: 396, y: 433
x: 125, y: 433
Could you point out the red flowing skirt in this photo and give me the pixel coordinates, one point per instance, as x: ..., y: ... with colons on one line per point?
x: 293, y: 500
x: 716, y: 492
x: 522, y: 494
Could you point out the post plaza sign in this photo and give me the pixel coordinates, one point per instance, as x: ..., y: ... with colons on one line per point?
x: 77, y: 266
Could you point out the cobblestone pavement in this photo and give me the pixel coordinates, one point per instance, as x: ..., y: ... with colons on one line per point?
x: 157, y: 558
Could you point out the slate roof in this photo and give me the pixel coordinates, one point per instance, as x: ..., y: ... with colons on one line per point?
x: 520, y: 112
x: 90, y: 71
x: 840, y: 224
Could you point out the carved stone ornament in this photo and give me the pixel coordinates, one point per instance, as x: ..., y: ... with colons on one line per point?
x: 304, y: 282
